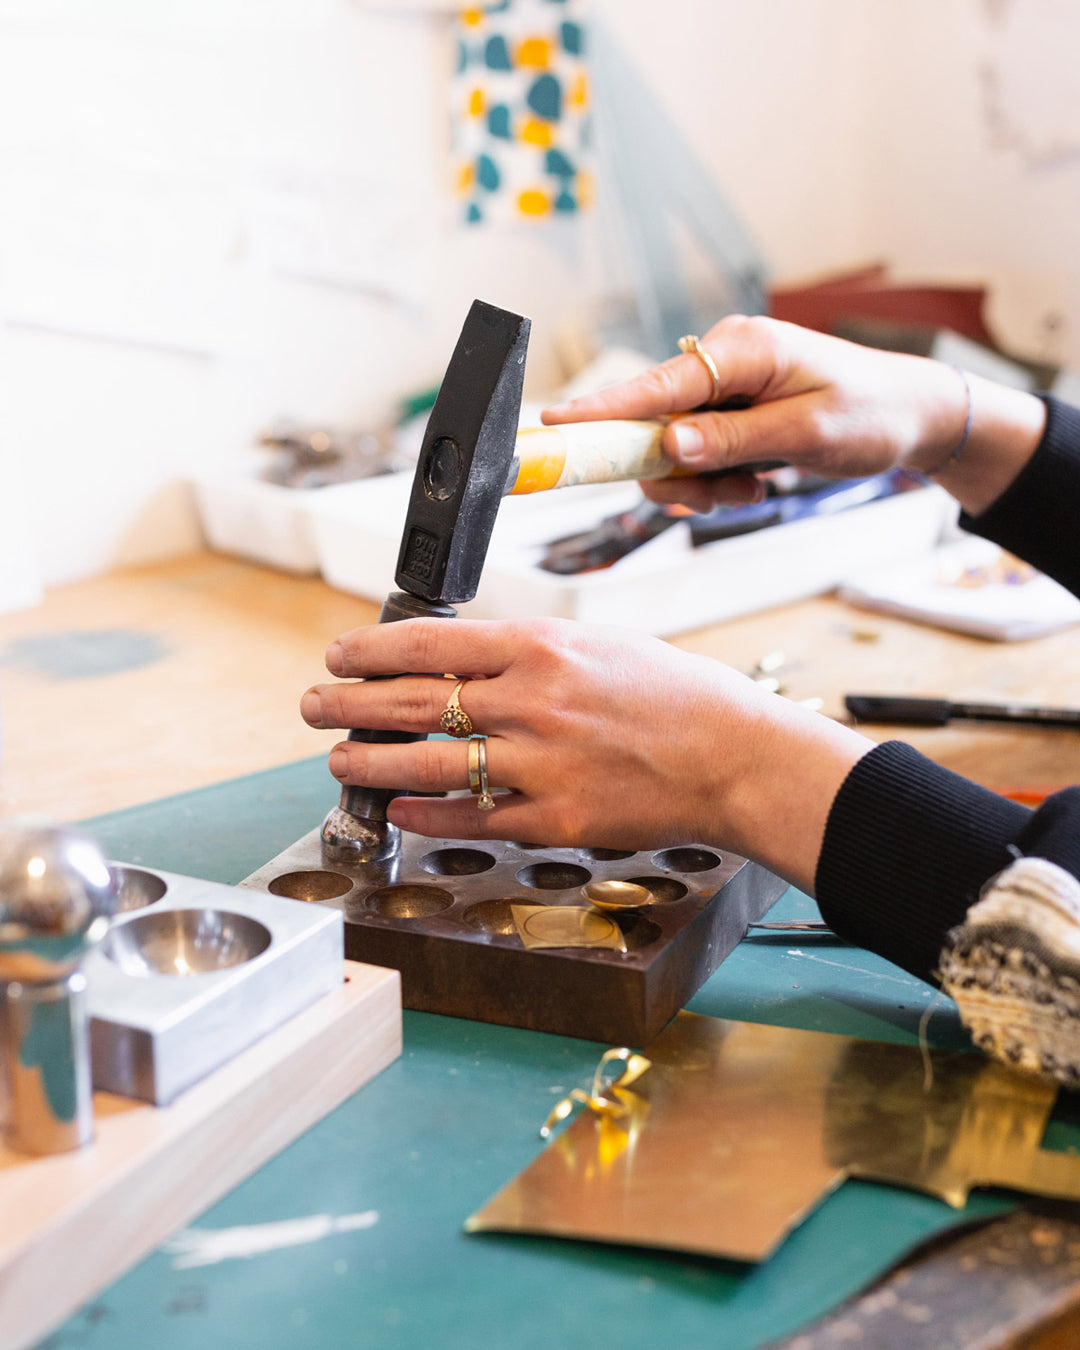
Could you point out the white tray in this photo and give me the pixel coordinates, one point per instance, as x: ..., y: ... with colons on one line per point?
x: 665, y: 587
x: 261, y: 521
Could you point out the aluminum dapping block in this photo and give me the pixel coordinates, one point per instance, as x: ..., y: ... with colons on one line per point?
x: 441, y: 912
x: 192, y: 972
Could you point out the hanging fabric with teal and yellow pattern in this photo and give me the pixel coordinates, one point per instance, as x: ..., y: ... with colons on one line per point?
x: 520, y: 104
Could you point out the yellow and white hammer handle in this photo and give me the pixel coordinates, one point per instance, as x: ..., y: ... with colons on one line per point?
x: 595, y: 452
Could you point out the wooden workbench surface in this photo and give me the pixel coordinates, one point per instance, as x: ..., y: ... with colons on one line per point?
x: 147, y: 682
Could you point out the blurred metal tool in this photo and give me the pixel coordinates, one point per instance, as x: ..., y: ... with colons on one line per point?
x: 314, y: 457
x: 806, y: 926
x: 56, y: 898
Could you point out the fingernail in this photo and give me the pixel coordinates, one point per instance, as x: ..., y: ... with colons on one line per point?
x: 338, y: 763
x: 335, y: 659
x: 689, y: 442
x: 311, y: 707
x: 557, y: 409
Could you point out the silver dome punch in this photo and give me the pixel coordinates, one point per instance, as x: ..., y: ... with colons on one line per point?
x: 56, y: 898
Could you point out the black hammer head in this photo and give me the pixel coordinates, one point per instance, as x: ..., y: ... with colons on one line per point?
x: 465, y: 458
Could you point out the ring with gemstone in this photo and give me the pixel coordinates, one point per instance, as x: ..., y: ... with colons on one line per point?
x: 455, y: 721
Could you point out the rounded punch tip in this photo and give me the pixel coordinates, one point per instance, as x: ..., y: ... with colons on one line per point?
x: 617, y: 895
x: 351, y: 839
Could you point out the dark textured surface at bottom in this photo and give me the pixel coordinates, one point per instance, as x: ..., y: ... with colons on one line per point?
x: 1009, y: 1285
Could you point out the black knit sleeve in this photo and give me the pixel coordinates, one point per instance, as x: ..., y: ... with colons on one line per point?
x: 907, y: 847
x: 1038, y: 516
x: 908, y: 844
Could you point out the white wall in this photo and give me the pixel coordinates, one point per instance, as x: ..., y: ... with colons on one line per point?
x: 218, y: 212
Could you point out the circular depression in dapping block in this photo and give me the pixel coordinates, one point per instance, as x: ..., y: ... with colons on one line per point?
x: 409, y: 902
x: 135, y: 889
x: 457, y: 862
x: 606, y: 854
x: 185, y: 942
x: 553, y: 876
x: 312, y: 886
x: 491, y: 916
x: 665, y: 890
x: 687, y: 859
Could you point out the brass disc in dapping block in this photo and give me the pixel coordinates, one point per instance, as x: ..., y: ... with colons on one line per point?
x: 617, y: 895
x: 566, y: 926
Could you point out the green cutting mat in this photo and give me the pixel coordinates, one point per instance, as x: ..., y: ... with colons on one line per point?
x: 405, y: 1161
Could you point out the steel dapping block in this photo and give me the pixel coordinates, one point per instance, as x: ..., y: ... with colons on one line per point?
x: 192, y: 972
x: 185, y: 942
x: 443, y: 912
x: 56, y: 897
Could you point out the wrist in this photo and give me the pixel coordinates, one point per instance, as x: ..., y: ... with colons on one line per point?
x: 1006, y: 428
x: 778, y: 808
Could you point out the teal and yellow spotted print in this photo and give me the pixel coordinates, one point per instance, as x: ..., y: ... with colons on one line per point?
x: 520, y: 111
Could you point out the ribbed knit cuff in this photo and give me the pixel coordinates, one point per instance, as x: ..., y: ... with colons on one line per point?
x: 1038, y: 512
x: 907, y: 847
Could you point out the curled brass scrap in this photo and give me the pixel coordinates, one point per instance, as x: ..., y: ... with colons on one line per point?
x: 612, y: 1102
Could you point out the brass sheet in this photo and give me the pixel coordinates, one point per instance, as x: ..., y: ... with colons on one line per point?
x: 741, y: 1130
x: 566, y: 926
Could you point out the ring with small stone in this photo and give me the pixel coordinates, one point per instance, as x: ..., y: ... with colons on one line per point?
x: 455, y: 721
x: 691, y: 345
x: 478, y: 779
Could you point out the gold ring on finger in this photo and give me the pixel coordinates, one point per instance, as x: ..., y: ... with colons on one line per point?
x: 691, y: 345
x: 455, y: 721
x: 478, y: 779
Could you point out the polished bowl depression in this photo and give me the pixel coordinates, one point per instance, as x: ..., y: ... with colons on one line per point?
x: 135, y: 889
x: 312, y: 886
x: 185, y: 942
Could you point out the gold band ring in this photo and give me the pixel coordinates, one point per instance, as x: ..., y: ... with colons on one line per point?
x: 691, y: 345
x: 478, y: 779
x: 455, y: 721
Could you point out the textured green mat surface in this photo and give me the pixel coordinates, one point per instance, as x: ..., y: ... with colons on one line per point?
x: 418, y: 1149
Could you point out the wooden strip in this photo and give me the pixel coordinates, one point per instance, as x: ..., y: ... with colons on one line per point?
x: 73, y: 1222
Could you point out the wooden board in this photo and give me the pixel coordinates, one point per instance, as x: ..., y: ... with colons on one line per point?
x: 73, y: 1222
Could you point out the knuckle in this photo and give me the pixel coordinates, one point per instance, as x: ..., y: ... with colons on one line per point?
x: 332, y: 705
x: 659, y: 384
x: 818, y: 427
x: 413, y: 704
x: 422, y: 642
x: 357, y: 760
x: 724, y: 440
x: 428, y: 773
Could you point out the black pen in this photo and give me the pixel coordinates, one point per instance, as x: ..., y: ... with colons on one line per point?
x: 938, y: 712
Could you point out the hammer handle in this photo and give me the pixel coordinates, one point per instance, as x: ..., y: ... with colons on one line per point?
x: 597, y: 452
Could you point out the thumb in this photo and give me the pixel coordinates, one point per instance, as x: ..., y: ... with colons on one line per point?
x: 763, y: 436
x: 707, y: 441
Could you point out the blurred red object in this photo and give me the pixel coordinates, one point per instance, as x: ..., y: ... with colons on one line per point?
x: 867, y: 293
